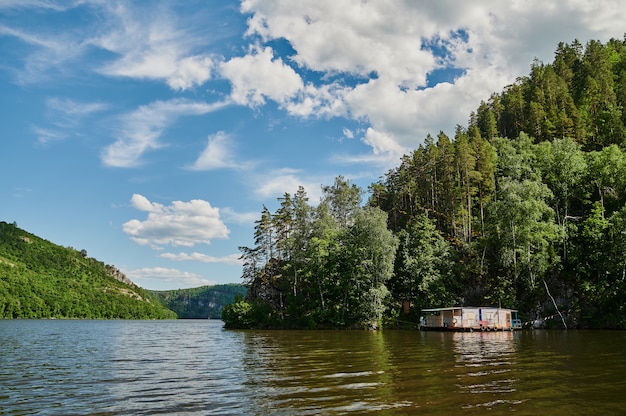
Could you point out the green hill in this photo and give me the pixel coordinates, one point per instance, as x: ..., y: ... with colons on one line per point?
x: 200, y: 302
x: 39, y: 279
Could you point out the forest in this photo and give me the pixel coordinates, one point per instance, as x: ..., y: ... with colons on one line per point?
x: 525, y: 208
x: 205, y: 302
x: 39, y: 279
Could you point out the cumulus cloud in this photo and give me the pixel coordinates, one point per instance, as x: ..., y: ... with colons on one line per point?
x: 374, y: 62
x: 381, y: 57
x: 166, y: 275
x: 232, y: 259
x: 179, y: 224
x: 347, y: 133
x: 260, y: 75
x: 142, y: 128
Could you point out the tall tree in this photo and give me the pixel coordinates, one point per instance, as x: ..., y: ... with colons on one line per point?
x: 607, y: 173
x: 465, y: 161
x: 484, y: 175
x: 369, y: 249
x: 343, y: 199
x: 422, y: 265
x: 522, y: 226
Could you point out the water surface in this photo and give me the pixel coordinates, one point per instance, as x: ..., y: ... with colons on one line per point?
x: 197, y: 368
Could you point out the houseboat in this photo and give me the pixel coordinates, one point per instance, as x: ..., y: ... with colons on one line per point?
x: 470, y: 318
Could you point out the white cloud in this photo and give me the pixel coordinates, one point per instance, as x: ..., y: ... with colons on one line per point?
x: 191, y: 71
x: 45, y: 136
x: 353, y: 37
x: 179, y: 224
x: 379, y: 56
x: 218, y: 154
x: 149, y: 41
x: 42, y: 4
x: 274, y: 184
x: 165, y: 275
x: 233, y: 217
x: 259, y: 75
x: 69, y: 115
x: 232, y: 259
x: 46, y: 53
x: 66, y: 117
x: 153, y: 43
x: 142, y: 128
x: 74, y: 108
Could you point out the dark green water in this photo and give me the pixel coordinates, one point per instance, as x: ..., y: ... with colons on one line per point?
x: 196, y: 367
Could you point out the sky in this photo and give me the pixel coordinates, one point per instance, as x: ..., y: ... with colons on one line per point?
x: 152, y: 133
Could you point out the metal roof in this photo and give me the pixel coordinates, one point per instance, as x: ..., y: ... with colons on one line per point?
x: 452, y: 308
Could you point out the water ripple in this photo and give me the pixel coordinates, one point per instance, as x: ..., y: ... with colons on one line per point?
x: 197, y: 368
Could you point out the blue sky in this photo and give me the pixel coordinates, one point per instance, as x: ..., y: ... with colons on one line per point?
x: 151, y: 133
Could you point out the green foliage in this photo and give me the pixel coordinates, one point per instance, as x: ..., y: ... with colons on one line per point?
x: 200, y: 302
x: 242, y: 314
x: 529, y: 198
x: 580, y: 95
x: 317, y: 267
x: 39, y: 279
x: 423, y: 266
x: 238, y: 315
x: 546, y: 208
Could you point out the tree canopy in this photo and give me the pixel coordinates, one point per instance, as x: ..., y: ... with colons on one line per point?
x: 524, y: 208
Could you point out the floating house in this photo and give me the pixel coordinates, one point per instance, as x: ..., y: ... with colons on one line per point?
x: 470, y: 318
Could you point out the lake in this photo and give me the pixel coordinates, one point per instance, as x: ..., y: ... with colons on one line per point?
x: 190, y: 367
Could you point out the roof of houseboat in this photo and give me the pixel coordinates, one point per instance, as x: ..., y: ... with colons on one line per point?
x: 451, y: 308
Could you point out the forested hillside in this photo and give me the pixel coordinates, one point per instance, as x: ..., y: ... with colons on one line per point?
x: 200, y: 302
x: 39, y: 279
x: 525, y: 207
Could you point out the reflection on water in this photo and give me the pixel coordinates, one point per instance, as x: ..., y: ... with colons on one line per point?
x: 489, y: 363
x: 196, y: 367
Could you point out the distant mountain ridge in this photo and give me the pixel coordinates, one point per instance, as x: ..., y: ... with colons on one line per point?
x: 200, y: 302
x: 39, y: 279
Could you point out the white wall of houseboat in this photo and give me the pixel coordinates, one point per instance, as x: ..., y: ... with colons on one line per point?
x: 469, y: 317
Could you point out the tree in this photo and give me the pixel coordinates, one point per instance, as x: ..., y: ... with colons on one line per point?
x: 368, y: 254
x: 343, y: 200
x: 321, y: 254
x: 607, y: 172
x: 486, y: 121
x: 467, y: 176
x: 562, y: 166
x: 522, y: 228
x: 484, y: 175
x: 516, y: 158
x: 423, y: 264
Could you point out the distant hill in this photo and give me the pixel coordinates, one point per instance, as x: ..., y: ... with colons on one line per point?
x: 201, y: 302
x: 39, y: 279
